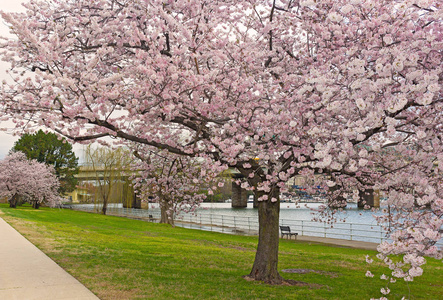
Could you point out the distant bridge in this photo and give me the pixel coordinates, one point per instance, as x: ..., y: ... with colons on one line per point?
x: 88, y: 173
x: 239, y: 195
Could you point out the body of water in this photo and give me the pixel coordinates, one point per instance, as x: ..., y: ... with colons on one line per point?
x: 290, y: 211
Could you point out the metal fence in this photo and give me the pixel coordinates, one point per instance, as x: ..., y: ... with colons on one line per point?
x: 249, y: 225
x: 347, y: 231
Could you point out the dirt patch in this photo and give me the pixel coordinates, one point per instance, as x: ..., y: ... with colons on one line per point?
x: 105, y: 290
x: 235, y: 247
x: 306, y: 271
x: 290, y: 282
x: 436, y: 284
x: 218, y: 245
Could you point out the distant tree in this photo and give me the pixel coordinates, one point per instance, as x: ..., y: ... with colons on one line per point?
x: 49, y: 149
x: 175, y: 182
x: 28, y: 180
x: 110, y: 166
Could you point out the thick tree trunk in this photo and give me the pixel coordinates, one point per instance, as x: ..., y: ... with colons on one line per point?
x: 13, y: 201
x: 166, y: 217
x: 266, y: 258
x: 35, y: 204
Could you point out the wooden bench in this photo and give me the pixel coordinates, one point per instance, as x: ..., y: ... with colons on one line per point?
x: 151, y: 218
x: 286, y: 230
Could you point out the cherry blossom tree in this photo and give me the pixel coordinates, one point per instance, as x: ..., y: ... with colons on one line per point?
x: 348, y: 89
x: 28, y: 180
x: 176, y: 182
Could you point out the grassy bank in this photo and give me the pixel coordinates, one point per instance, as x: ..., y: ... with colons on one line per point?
x: 120, y: 258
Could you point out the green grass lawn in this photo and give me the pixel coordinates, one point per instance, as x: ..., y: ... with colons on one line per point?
x: 119, y: 258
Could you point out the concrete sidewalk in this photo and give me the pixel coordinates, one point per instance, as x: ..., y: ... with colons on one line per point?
x: 339, y: 242
x: 26, y: 273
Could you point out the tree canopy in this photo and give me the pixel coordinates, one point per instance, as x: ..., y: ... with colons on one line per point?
x: 348, y: 89
x: 28, y: 180
x: 54, y: 151
x: 174, y: 181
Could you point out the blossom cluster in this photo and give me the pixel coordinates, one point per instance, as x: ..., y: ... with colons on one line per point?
x: 28, y: 179
x: 345, y: 93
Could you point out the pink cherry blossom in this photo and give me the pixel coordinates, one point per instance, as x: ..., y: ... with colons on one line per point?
x: 254, y: 86
x: 28, y: 179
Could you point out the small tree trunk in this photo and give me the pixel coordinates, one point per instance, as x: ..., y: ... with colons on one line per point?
x: 136, y: 202
x: 35, y: 204
x: 266, y: 257
x: 166, y: 215
x: 105, y: 205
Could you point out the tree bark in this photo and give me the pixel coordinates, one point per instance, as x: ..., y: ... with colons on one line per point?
x: 266, y: 257
x: 166, y: 217
x: 105, y: 204
x: 13, y: 201
x: 136, y: 202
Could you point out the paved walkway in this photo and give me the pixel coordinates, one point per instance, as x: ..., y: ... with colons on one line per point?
x: 26, y: 273
x: 339, y: 242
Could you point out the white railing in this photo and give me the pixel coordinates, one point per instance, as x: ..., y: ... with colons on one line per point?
x: 347, y: 231
x: 249, y: 225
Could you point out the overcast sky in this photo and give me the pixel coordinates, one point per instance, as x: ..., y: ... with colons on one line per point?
x: 7, y: 140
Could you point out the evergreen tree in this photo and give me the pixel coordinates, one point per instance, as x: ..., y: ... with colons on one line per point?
x: 49, y: 149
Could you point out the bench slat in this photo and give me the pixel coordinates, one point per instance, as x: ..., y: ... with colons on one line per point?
x: 286, y: 230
